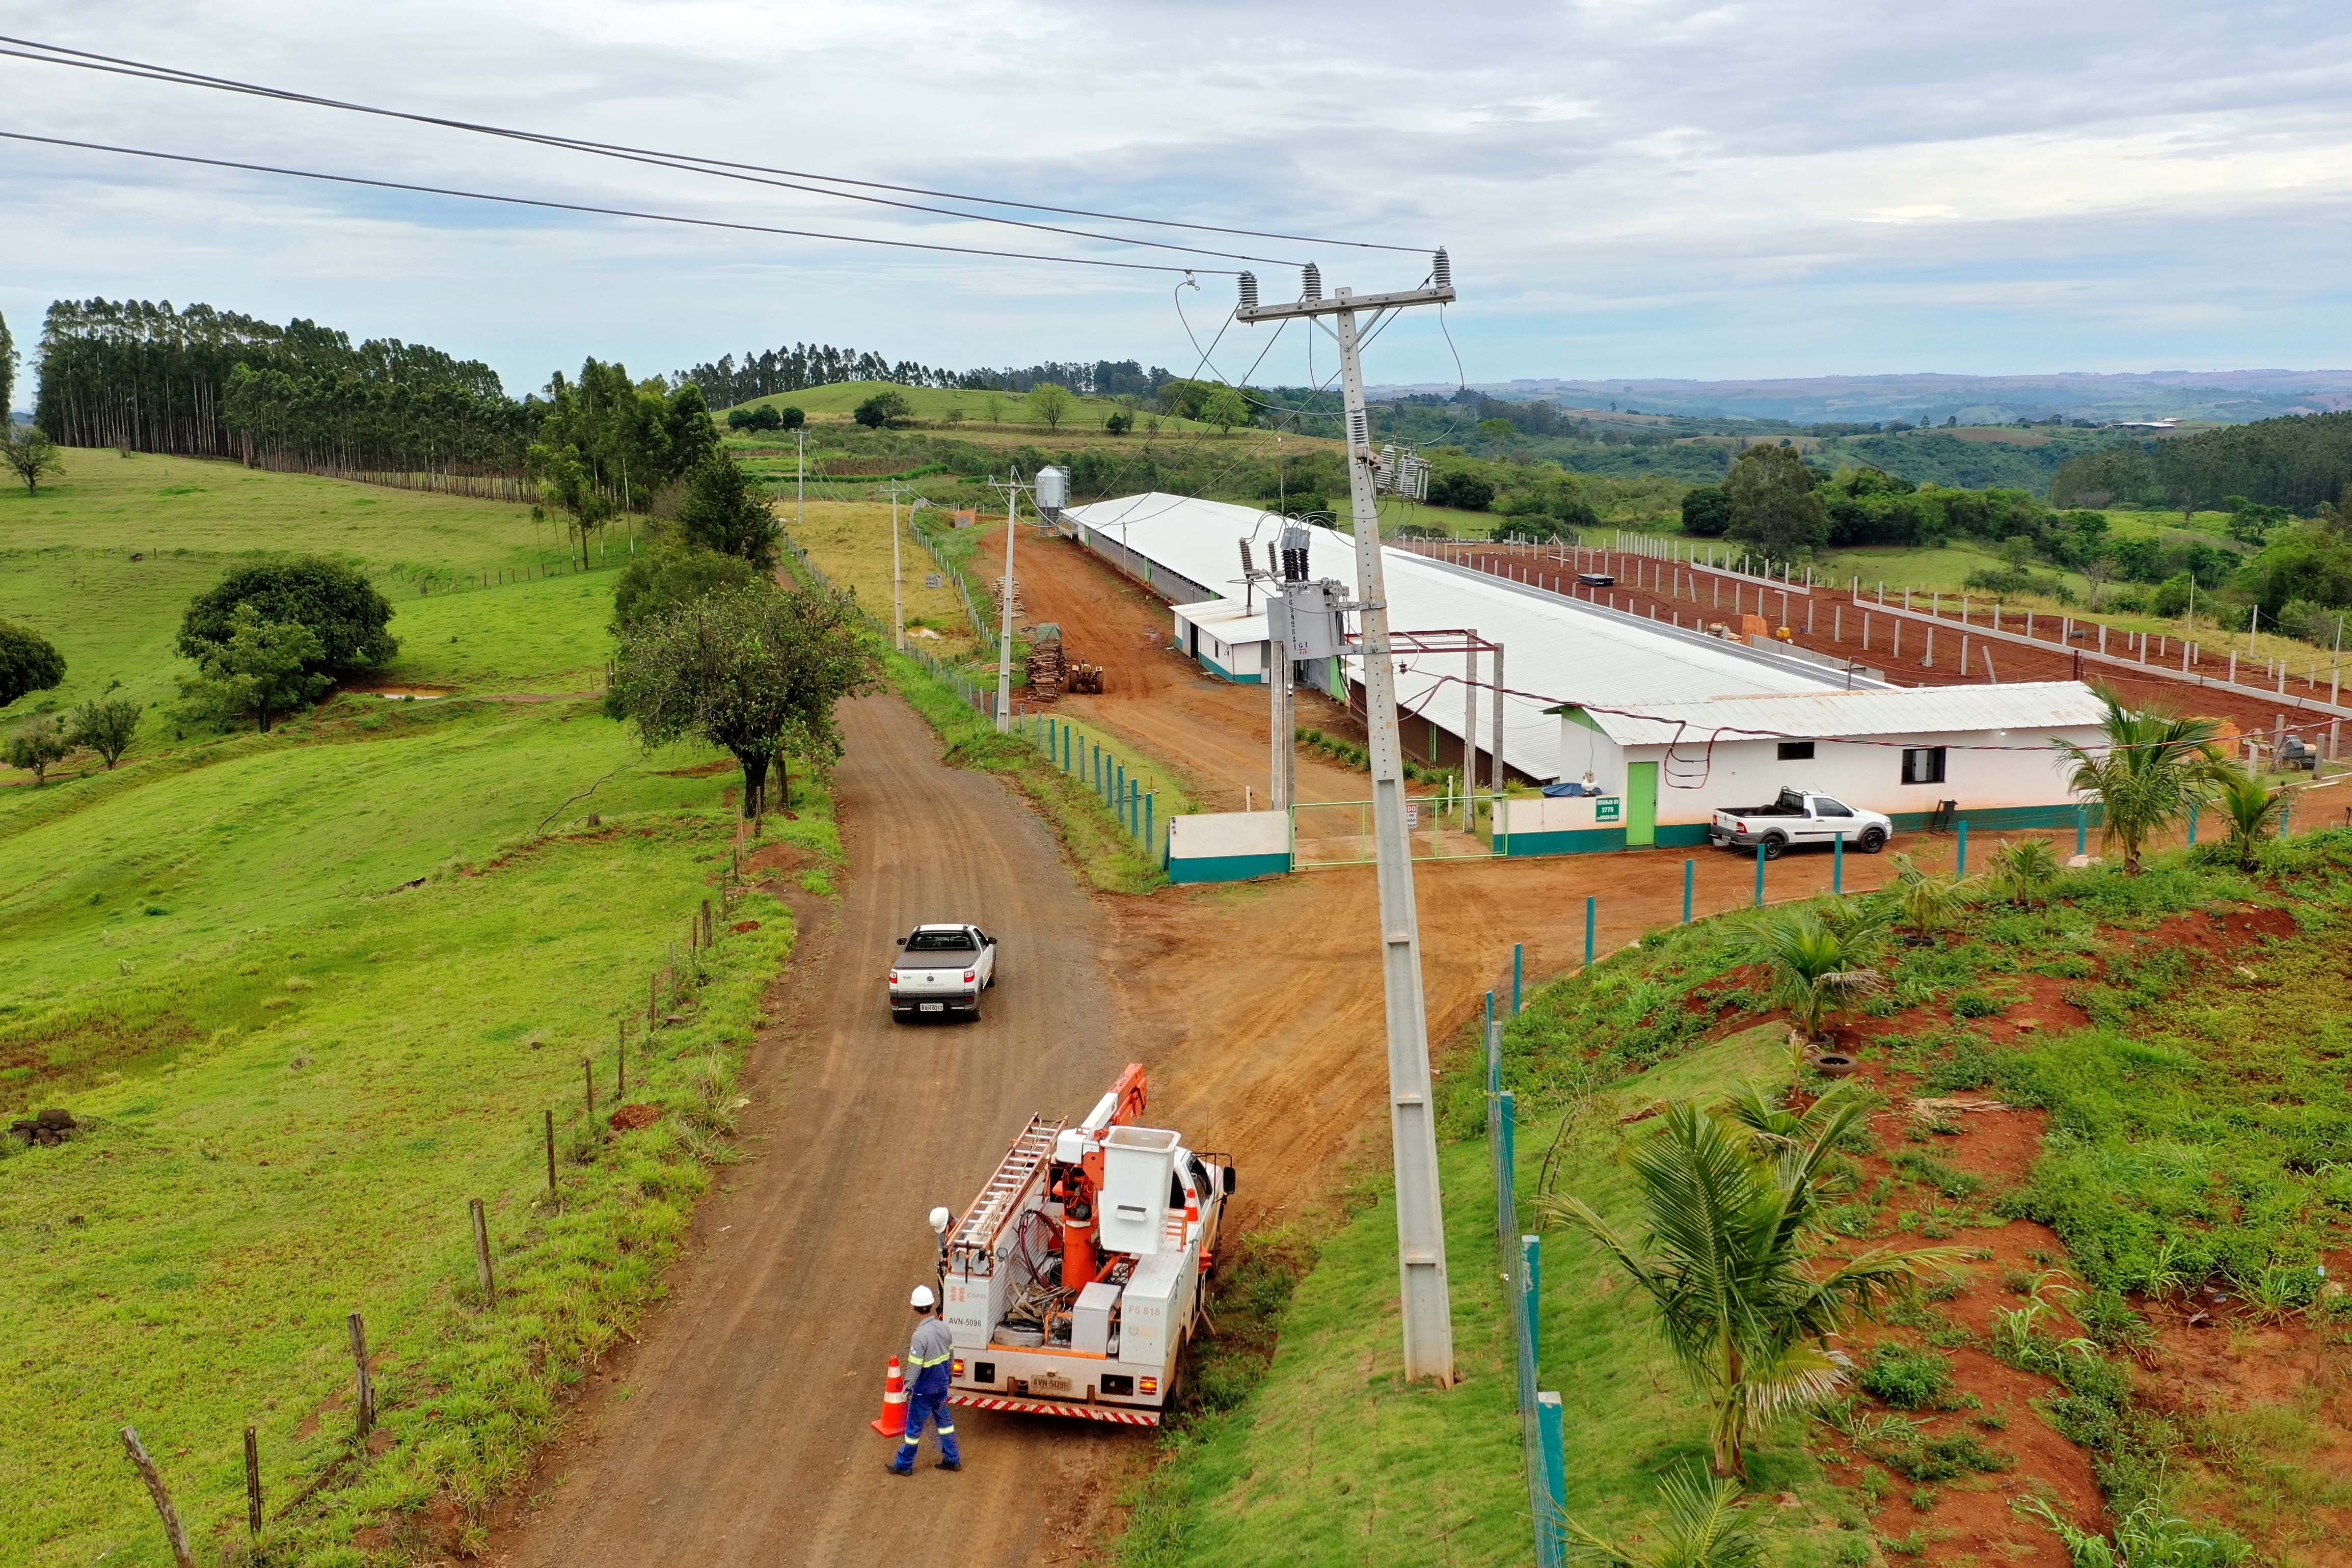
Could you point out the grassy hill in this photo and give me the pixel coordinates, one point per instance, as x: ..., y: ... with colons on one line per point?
x: 975, y: 411
x: 311, y: 992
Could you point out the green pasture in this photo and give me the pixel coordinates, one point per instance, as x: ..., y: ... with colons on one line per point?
x: 545, y: 635
x: 949, y: 406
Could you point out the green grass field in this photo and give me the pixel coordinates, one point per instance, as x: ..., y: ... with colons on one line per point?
x: 310, y: 993
x: 949, y: 408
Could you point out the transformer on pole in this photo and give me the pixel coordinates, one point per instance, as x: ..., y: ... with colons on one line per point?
x: 1307, y: 616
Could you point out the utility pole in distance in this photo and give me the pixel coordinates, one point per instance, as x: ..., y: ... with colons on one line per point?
x: 897, y: 593
x: 1421, y: 1217
x: 1012, y: 489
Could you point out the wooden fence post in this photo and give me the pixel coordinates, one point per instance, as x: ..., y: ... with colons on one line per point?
x: 653, y: 1002
x: 620, y: 1065
x: 550, y: 1154
x: 174, y: 1531
x: 481, y: 1261
x: 253, y: 1483
x: 588, y: 1082
x: 365, y: 1382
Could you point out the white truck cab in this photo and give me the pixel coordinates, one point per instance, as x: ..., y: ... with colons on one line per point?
x: 1800, y: 816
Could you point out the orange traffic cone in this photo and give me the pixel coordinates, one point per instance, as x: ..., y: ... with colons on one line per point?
x: 892, y: 1422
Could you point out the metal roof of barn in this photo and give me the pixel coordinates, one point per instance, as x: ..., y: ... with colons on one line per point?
x: 1555, y: 648
x: 1828, y: 715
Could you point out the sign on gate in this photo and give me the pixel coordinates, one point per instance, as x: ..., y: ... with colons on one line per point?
x: 1412, y: 817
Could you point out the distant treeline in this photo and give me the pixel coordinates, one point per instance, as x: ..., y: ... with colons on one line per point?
x: 2301, y: 462
x: 795, y: 367
x: 207, y: 383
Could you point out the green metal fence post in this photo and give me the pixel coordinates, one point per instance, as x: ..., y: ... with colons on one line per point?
x: 1690, y: 875
x: 1760, y: 875
x: 1507, y: 1150
x: 1963, y: 868
x: 1518, y: 970
x: 1494, y: 1043
x: 1531, y: 1292
x: 2081, y: 828
x: 1551, y: 1546
x: 1121, y: 768
x: 2192, y: 826
x: 1591, y: 918
x: 1148, y: 833
x: 1837, y: 864
x: 2286, y: 816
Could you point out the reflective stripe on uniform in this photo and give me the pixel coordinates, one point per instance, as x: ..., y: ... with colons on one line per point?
x: 945, y: 1431
x: 918, y: 1362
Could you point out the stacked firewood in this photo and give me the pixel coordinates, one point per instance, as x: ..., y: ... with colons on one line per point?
x: 1045, y: 671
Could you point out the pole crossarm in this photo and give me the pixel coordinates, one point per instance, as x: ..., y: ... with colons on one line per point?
x: 1344, y: 301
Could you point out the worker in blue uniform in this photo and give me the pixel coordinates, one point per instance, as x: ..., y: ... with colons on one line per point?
x: 928, y: 1357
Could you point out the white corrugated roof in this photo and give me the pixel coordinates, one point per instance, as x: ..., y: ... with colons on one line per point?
x: 1557, y: 650
x: 1228, y: 618
x: 1911, y: 710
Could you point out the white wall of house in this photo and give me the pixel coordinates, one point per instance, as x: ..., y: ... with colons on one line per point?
x: 1749, y: 772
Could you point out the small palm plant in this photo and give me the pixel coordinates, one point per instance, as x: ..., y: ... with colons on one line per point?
x: 1928, y: 900
x: 1818, y: 968
x: 2253, y: 812
x: 2151, y: 768
x: 1747, y: 1307
x: 2024, y: 870
x: 1706, y: 1526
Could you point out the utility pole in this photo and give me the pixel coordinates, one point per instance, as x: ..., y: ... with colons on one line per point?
x: 799, y: 445
x: 1421, y: 1218
x: 897, y: 591
x: 1012, y: 488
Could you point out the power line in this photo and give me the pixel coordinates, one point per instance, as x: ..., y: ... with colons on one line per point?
x: 606, y: 211
x: 81, y: 59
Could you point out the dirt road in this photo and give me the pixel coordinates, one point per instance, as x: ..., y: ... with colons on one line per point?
x: 736, y: 1433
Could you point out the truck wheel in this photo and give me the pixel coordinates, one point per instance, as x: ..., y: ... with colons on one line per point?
x: 1773, y: 845
x: 1872, y: 841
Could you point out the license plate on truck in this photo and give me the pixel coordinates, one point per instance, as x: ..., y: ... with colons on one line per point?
x: 932, y: 1006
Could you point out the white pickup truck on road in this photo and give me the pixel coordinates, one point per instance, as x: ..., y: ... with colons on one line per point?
x: 1800, y: 816
x: 941, y: 969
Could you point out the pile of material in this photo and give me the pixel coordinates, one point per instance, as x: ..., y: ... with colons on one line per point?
x: 996, y: 591
x: 1045, y: 671
x: 48, y: 1128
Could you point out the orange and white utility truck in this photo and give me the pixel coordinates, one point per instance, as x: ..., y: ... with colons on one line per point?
x: 1074, y: 1282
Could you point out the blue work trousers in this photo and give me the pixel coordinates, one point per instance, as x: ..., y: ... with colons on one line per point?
x: 934, y: 1408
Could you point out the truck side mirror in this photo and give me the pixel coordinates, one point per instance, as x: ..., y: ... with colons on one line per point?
x: 1229, y: 1181
x: 902, y: 941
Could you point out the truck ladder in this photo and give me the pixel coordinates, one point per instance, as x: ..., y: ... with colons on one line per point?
x: 994, y: 1206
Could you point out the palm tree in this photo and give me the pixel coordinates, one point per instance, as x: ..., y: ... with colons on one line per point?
x: 2152, y: 768
x: 1706, y: 1526
x: 2024, y: 869
x: 1930, y: 901
x: 1818, y: 967
x: 2253, y: 812
x: 1729, y: 1212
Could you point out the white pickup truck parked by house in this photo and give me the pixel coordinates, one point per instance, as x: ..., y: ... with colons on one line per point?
x: 941, y: 969
x: 1800, y: 816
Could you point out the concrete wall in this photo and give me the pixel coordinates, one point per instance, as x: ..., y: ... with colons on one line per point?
x: 1227, y: 846
x: 1573, y: 825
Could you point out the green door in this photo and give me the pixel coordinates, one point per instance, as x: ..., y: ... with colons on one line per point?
x: 1641, y: 803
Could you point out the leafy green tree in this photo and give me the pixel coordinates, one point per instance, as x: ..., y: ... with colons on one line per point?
x: 1707, y: 511
x: 722, y: 512
x: 1773, y: 503
x: 567, y: 479
x: 1461, y: 489
x: 1746, y: 1305
x: 1224, y: 409
x: 28, y: 662
x: 884, y: 410
x: 1051, y: 402
x: 29, y: 453
x: 1706, y: 1525
x: 38, y: 743
x: 338, y: 606
x: 262, y: 669
x: 2254, y: 811
x: 669, y: 572
x: 1817, y: 968
x: 791, y: 419
x: 106, y: 725
x: 755, y: 670
x: 2151, y: 767
x: 1118, y: 423
x: 7, y: 372
x: 763, y: 418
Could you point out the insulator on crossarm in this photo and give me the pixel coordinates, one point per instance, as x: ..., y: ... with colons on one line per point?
x: 1358, y: 430
x: 1248, y: 565
x: 1441, y: 269
x: 1248, y: 282
x: 1310, y: 285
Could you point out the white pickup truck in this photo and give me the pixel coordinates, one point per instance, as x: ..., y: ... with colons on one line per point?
x: 1800, y: 816
x: 941, y: 969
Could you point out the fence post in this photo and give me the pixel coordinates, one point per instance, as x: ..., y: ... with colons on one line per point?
x: 1518, y: 972
x: 1760, y: 875
x: 1494, y: 1038
x: 1591, y: 919
x: 174, y: 1533
x: 2192, y: 828
x: 1962, y: 869
x: 2082, y: 829
x: 364, y: 1380
x: 1149, y: 832
x: 1690, y: 874
x: 550, y: 1154
x: 1531, y: 1292
x: 1506, y: 1203
x: 482, y: 1251
x: 1552, y: 1517
x: 253, y: 1483
x: 1837, y: 864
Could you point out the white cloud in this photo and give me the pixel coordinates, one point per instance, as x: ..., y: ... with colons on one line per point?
x: 1629, y: 186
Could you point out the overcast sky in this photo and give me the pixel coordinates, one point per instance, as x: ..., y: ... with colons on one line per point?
x: 1627, y: 188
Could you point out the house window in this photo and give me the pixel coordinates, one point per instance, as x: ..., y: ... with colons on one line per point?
x: 1796, y: 750
x: 1923, y: 765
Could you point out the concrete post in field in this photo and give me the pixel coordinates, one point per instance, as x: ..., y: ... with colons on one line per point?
x: 1551, y: 1527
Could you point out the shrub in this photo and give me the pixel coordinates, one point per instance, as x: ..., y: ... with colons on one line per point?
x: 37, y: 743
x: 1462, y: 489
x: 1908, y: 1379
x: 27, y: 663
x: 338, y: 606
x: 106, y: 724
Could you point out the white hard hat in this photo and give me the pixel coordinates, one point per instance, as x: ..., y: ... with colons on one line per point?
x: 922, y: 1298
x: 941, y: 1219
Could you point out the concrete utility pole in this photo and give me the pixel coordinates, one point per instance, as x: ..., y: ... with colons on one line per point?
x: 898, y: 590
x: 1282, y: 724
x: 1421, y: 1218
x: 1012, y: 489
x: 799, y: 445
